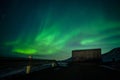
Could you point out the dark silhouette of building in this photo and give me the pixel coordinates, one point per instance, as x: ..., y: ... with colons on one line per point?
x: 87, y: 55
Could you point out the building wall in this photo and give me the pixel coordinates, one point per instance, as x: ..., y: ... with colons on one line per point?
x: 86, y: 55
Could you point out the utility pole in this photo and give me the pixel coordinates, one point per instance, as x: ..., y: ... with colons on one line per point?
x: 28, y: 67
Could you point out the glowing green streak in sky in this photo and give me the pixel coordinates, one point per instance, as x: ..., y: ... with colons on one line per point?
x: 24, y: 51
x: 87, y: 41
x: 94, y: 40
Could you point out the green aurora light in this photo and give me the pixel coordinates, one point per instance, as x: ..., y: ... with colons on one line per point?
x: 57, y: 30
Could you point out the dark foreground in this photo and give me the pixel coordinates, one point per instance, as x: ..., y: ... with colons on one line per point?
x: 82, y: 71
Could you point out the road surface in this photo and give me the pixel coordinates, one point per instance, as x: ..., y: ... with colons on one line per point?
x: 83, y: 71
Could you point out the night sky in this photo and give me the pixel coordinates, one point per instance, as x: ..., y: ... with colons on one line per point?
x: 51, y: 29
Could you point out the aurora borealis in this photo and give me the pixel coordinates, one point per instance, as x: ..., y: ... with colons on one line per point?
x: 51, y: 29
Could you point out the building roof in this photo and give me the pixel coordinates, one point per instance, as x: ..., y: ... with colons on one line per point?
x: 86, y: 50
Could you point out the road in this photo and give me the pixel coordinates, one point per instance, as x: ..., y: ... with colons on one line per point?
x: 83, y: 71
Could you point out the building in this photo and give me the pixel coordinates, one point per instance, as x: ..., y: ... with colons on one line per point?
x: 87, y: 55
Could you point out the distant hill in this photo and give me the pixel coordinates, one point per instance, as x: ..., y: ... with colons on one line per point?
x: 68, y: 60
x: 20, y: 59
x: 113, y: 55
